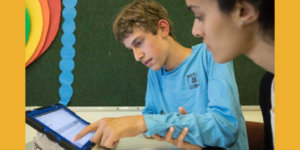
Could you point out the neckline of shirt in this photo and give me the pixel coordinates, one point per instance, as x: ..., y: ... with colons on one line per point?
x: 164, y: 72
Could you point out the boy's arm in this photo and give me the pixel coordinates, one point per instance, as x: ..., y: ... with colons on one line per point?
x: 179, y: 142
x: 219, y: 126
x: 204, y: 130
x: 110, y: 130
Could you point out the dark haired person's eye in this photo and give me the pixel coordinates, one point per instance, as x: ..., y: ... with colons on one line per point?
x: 200, y: 18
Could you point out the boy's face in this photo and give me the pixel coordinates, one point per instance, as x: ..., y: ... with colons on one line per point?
x: 149, y: 49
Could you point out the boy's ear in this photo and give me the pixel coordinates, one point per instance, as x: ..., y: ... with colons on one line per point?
x: 245, y: 13
x: 163, y: 27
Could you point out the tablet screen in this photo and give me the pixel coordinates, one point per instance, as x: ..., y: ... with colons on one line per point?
x: 65, y: 124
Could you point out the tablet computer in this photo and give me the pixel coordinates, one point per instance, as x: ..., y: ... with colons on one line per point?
x: 61, y: 125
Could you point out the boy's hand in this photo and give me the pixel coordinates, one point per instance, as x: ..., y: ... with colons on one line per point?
x: 110, y: 130
x: 179, y: 141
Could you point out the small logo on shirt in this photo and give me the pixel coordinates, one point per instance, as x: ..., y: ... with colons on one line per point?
x: 193, y: 80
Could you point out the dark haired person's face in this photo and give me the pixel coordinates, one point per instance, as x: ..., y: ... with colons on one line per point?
x: 220, y: 32
x: 147, y: 48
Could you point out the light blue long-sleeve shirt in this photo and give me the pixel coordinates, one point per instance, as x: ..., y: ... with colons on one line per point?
x: 207, y: 91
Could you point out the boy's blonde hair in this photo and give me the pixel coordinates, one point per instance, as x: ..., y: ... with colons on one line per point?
x: 143, y: 14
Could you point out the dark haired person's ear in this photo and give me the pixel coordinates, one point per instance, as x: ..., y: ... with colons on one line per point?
x: 163, y: 27
x: 248, y: 13
x: 244, y: 13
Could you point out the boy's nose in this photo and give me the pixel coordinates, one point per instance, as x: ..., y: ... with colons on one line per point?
x: 138, y: 54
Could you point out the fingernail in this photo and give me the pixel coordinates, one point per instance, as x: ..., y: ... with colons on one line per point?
x: 185, y: 128
x: 171, y: 129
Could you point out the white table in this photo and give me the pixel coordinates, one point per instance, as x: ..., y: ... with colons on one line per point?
x: 92, y: 114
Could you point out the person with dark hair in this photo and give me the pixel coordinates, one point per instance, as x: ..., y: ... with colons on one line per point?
x: 230, y: 28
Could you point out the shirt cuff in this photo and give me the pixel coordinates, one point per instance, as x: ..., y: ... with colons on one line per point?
x: 156, y: 124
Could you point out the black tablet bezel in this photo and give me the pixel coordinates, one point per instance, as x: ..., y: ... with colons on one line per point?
x: 51, y: 134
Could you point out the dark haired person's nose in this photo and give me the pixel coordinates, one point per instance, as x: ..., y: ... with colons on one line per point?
x: 197, y: 32
x: 197, y: 35
x: 197, y: 29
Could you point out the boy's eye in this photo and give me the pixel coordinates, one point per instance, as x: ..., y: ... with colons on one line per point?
x: 138, y: 43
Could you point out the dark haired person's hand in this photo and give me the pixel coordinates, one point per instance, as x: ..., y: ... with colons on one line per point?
x: 179, y: 141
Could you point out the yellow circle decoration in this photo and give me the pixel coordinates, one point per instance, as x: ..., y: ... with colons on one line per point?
x: 46, y: 19
x: 36, y: 18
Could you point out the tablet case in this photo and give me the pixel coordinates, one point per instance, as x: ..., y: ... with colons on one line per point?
x: 52, y: 135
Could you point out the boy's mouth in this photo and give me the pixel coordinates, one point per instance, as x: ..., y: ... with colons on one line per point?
x: 148, y: 62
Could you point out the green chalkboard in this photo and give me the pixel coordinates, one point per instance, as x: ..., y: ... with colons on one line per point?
x: 105, y: 73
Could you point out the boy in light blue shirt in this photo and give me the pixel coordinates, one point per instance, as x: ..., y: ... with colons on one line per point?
x: 178, y: 77
x: 209, y: 94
